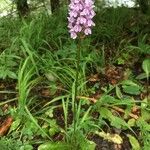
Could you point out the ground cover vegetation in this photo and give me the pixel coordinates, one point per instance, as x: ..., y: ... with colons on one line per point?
x: 38, y: 81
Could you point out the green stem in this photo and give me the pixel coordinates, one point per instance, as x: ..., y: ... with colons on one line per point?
x: 76, y: 82
x: 147, y: 89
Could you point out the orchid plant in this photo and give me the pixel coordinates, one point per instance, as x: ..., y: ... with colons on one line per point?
x: 81, y: 13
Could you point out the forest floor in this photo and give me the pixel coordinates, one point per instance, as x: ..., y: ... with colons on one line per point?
x: 37, y: 83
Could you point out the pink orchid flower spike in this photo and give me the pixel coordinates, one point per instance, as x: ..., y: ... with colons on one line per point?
x: 81, y: 13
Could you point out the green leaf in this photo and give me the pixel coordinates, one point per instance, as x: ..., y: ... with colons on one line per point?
x: 118, y: 92
x: 35, y: 122
x: 144, y: 103
x: 115, y: 121
x: 120, y: 61
x: 88, y: 145
x: 118, y: 122
x: 11, y: 74
x: 146, y: 66
x: 129, y: 82
x: 134, y: 142
x: 143, y: 124
x: 141, y: 76
x: 134, y: 90
x: 15, y: 125
x: 53, y: 131
x: 131, y: 122
x: 26, y: 147
x: 145, y: 114
x: 105, y: 113
x: 50, y: 76
x: 54, y: 146
x: 130, y: 87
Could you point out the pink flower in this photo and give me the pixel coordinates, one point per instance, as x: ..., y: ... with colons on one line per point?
x: 80, y: 17
x: 87, y: 31
x: 81, y: 20
x: 73, y: 35
x: 90, y: 23
x: 77, y: 28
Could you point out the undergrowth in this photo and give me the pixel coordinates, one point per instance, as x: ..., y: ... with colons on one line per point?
x: 113, y: 99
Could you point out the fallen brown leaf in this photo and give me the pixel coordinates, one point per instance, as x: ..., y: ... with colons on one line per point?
x: 5, y: 125
x: 87, y: 98
x: 114, y: 74
x: 122, y: 111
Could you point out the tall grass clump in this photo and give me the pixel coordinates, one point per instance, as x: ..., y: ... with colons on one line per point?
x: 26, y: 81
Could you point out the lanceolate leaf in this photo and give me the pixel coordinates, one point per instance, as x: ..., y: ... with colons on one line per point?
x: 146, y: 66
x: 134, y: 90
x: 134, y: 142
x: 130, y: 87
x: 54, y: 146
x: 118, y: 92
x: 141, y: 76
